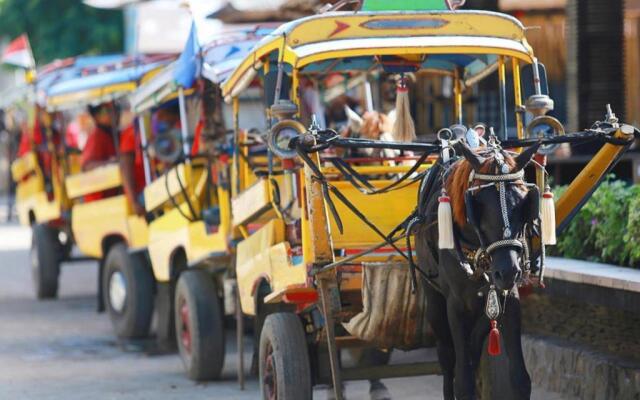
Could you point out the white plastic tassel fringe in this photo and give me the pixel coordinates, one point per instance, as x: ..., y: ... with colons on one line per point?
x: 404, y: 129
x: 445, y: 222
x: 548, y: 219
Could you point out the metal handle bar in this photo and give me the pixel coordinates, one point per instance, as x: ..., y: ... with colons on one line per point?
x: 323, y: 139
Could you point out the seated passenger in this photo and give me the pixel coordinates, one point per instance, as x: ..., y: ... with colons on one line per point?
x: 99, y: 149
x: 78, y: 131
x: 167, y: 135
x: 132, y: 167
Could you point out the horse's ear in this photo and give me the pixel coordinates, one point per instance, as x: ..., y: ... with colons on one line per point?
x: 355, y: 120
x: 474, y: 159
x: 525, y: 157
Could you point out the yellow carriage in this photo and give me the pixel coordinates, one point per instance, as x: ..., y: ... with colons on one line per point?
x: 187, y: 197
x: 315, y: 229
x: 98, y: 218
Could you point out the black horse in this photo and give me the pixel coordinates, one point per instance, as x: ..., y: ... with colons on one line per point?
x: 456, y: 298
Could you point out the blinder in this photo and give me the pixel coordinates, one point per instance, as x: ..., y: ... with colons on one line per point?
x: 533, y: 203
x: 469, y: 204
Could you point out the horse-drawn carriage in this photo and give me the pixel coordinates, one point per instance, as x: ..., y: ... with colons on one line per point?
x: 84, y: 208
x: 324, y: 259
x: 181, y: 118
x: 364, y: 238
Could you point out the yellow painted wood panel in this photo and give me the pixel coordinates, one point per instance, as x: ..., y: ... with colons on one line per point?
x: 253, y: 260
x: 92, y: 222
x: 172, y: 231
x: 251, y: 202
x: 386, y: 211
x: 96, y: 180
x: 323, y: 28
x: 23, y: 166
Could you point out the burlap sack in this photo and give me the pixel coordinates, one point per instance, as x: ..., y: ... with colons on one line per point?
x: 392, y: 316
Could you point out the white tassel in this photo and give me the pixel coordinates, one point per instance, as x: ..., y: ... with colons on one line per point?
x: 403, y: 128
x: 548, y: 219
x: 445, y: 222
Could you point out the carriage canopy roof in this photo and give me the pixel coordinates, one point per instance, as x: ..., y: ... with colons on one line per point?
x: 55, y: 72
x: 99, y: 82
x: 348, y: 41
x: 216, y: 60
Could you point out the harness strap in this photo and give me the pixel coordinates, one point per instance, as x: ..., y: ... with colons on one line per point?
x: 504, y: 243
x: 351, y: 174
x: 326, y: 187
x: 514, y: 176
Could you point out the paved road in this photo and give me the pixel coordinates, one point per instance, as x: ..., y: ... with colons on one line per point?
x: 63, y: 350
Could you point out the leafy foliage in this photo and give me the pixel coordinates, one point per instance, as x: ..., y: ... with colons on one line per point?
x: 62, y: 28
x: 607, y: 228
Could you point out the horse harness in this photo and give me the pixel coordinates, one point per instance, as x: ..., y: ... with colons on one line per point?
x: 475, y: 260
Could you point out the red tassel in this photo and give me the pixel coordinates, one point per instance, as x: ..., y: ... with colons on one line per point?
x: 494, y: 339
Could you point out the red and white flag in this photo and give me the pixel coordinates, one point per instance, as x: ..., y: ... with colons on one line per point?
x: 19, y: 53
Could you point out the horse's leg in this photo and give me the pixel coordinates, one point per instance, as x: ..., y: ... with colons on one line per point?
x: 478, y: 336
x: 437, y: 317
x: 375, y: 357
x: 512, y: 331
x: 461, y: 332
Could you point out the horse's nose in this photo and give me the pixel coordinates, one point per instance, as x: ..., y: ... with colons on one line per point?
x: 497, y: 276
x: 505, y: 270
x: 505, y: 279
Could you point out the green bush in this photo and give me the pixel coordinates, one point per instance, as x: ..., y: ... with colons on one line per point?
x: 607, y: 228
x: 632, y: 235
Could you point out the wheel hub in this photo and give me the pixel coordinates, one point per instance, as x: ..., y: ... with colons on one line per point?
x: 185, y: 331
x: 269, y: 380
x: 117, y: 291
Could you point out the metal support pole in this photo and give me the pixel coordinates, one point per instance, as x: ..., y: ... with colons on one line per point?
x: 536, y: 76
x: 145, y: 155
x: 502, y: 76
x: 457, y: 97
x: 239, y: 335
x: 235, y: 173
x: 517, y: 93
x: 183, y: 122
x: 368, y: 95
x: 326, y: 284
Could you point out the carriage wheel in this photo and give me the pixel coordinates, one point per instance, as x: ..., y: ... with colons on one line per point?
x: 128, y: 292
x: 285, y: 372
x: 199, y: 325
x: 45, y: 261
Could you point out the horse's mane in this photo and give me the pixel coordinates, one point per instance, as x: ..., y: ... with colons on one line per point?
x: 457, y: 183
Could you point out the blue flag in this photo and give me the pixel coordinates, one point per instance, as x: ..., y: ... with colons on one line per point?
x: 188, y: 63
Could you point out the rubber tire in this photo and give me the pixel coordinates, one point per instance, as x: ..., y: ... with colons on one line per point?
x: 285, y: 333
x: 135, y: 320
x: 45, y: 261
x: 206, y: 321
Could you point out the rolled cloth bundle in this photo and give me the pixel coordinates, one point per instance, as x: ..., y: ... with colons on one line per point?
x: 404, y: 129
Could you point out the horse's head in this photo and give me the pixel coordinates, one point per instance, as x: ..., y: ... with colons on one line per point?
x: 488, y: 193
x: 374, y: 124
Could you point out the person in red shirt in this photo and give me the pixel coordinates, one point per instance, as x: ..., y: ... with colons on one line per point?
x: 99, y: 149
x: 132, y: 168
